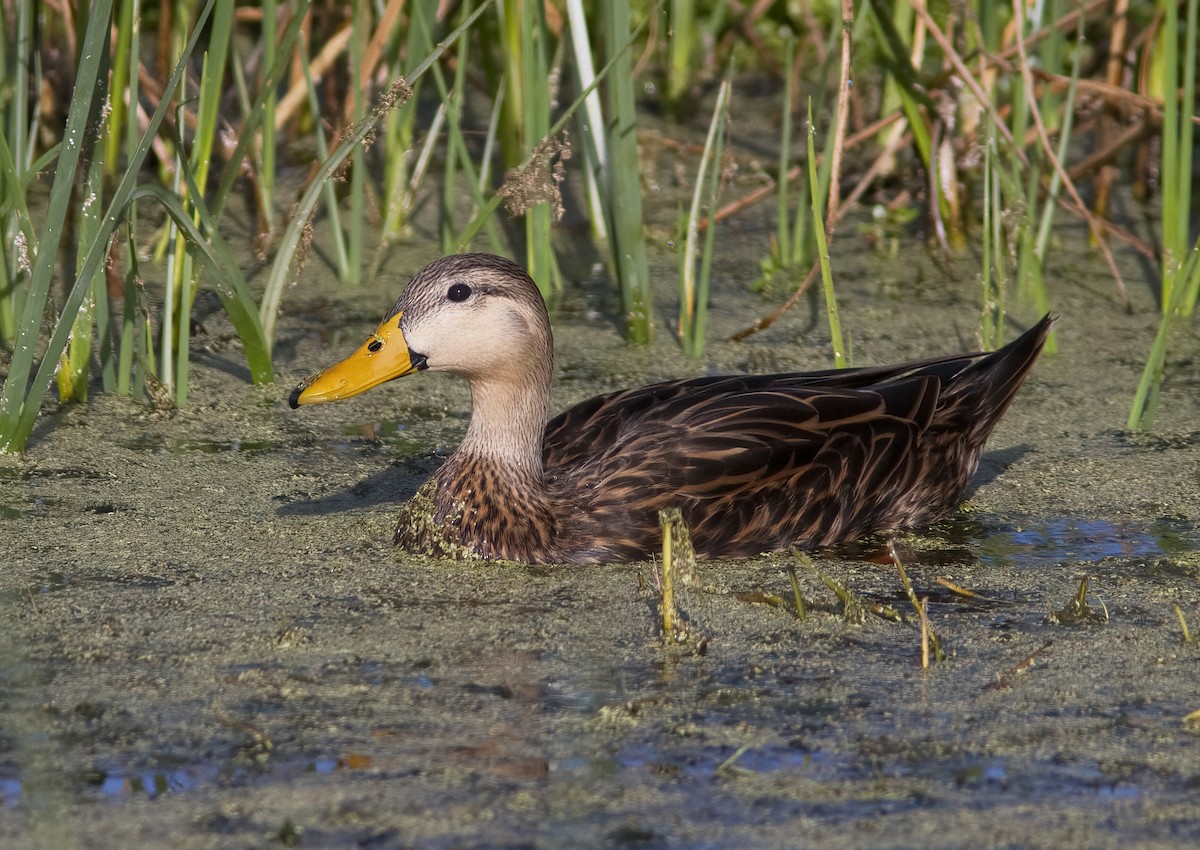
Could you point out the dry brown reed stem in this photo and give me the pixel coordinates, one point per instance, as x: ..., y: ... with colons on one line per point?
x: 157, y: 144
x: 755, y: 195
x: 1123, y: 235
x: 876, y: 168
x: 872, y: 129
x: 1103, y: 156
x: 812, y: 29
x: 957, y: 589
x: 647, y: 56
x: 1048, y: 149
x: 151, y: 89
x: 1133, y: 101
x: 920, y: 605
x: 745, y: 29
x: 843, y: 116
x: 764, y: 322
x: 297, y: 95
x: 383, y: 31
x: 1067, y: 23
x: 1005, y: 678
x: 964, y: 74
x: 1113, y: 74
x: 923, y: 613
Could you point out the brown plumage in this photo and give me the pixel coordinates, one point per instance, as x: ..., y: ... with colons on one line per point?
x: 756, y: 463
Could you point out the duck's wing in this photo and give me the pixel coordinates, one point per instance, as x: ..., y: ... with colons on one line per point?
x: 754, y: 468
x: 970, y: 386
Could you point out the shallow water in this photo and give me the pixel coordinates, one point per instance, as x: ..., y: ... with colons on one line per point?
x: 209, y: 641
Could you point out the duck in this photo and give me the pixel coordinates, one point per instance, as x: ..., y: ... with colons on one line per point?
x: 755, y: 463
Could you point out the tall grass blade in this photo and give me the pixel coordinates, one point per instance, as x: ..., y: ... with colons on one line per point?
x: 535, y: 126
x: 623, y: 183
x: 15, y: 134
x: 21, y: 398
x: 458, y: 154
x: 205, y: 243
x: 1145, y: 399
x: 681, y: 43
x: 18, y: 397
x: 266, y: 177
x: 995, y: 249
x: 360, y: 26
x: 1187, y: 150
x: 254, y: 118
x: 594, y: 149
x: 341, y: 254
x: 74, y: 370
x: 1177, y: 146
x: 481, y: 218
x: 1064, y: 141
x: 840, y: 359
x: 783, y: 227
x: 693, y: 295
x: 20, y: 239
x: 399, y: 125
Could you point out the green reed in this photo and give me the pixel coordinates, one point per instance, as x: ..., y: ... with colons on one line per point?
x: 1177, y: 148
x: 18, y: 397
x: 458, y: 155
x: 840, y: 357
x: 194, y: 170
x: 25, y: 387
x: 16, y: 124
x: 623, y: 186
x: 399, y: 126
x: 359, y: 31
x: 791, y: 245
x: 783, y: 245
x: 695, y: 274
x: 593, y: 147
x: 994, y: 274
x: 266, y: 176
x: 1051, y: 109
x: 337, y: 235
x: 681, y: 47
x: 528, y: 79
x: 73, y: 371
x: 1180, y: 289
x: 905, y: 84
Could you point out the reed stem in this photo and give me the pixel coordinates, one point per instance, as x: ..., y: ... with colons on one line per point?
x: 840, y: 360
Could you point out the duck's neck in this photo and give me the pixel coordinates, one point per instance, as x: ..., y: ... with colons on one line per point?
x: 508, y: 421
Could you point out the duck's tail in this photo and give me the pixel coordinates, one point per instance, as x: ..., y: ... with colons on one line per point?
x: 1008, y: 366
x: 984, y: 389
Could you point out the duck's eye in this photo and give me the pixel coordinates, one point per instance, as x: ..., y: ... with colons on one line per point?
x: 459, y: 292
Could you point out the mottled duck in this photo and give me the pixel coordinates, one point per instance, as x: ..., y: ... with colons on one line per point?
x: 756, y: 463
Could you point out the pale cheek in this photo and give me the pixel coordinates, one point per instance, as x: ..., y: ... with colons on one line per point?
x: 473, y: 342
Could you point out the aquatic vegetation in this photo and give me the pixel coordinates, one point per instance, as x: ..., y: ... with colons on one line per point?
x: 1077, y: 611
x: 134, y: 149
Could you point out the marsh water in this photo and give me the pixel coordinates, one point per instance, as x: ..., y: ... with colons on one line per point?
x: 209, y: 641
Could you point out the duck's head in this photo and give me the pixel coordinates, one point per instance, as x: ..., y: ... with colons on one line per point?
x: 475, y: 315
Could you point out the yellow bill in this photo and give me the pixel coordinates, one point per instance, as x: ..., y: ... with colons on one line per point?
x: 384, y: 356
